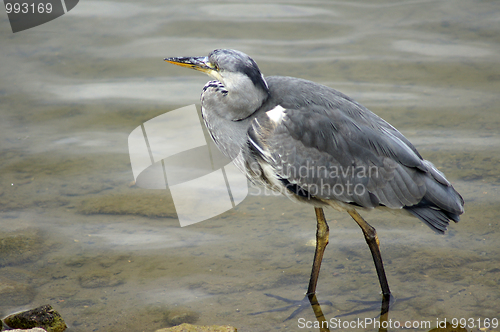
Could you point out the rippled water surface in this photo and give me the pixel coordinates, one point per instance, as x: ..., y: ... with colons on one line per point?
x: 109, y: 256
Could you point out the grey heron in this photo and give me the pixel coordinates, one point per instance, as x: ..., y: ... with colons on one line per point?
x: 320, y: 147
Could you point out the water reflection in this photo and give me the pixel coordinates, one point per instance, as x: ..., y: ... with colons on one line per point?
x: 261, y: 11
x: 125, y: 91
x: 323, y: 324
x: 440, y: 50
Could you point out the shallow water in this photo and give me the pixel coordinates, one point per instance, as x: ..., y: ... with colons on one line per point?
x: 109, y: 256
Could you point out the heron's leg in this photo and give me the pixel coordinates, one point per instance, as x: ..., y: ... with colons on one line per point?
x: 374, y: 244
x: 321, y: 243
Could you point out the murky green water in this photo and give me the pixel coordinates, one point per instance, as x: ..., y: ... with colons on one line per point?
x: 112, y: 257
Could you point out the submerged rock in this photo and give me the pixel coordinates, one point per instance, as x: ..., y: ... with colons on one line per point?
x: 23, y: 246
x: 101, y: 278
x: 44, y: 317
x: 180, y: 315
x: 197, y: 328
x: 138, y: 202
x: 15, y: 293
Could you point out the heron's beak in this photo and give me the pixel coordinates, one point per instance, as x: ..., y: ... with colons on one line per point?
x: 199, y: 63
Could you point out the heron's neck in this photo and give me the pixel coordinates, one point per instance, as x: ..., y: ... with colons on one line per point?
x: 243, y: 104
x: 235, y: 98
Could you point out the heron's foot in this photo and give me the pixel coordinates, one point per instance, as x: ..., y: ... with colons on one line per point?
x: 301, y: 305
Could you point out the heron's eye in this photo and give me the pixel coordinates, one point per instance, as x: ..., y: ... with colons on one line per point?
x: 214, y: 66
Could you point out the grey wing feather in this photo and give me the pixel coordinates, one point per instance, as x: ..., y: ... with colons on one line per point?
x: 349, y: 154
x: 331, y: 157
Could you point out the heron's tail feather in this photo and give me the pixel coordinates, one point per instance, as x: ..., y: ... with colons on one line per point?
x: 440, y: 204
x: 437, y: 220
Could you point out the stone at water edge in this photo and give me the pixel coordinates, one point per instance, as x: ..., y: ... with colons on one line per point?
x: 45, y: 317
x: 35, y: 329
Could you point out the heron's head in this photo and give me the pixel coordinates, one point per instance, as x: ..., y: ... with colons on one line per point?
x: 234, y: 69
